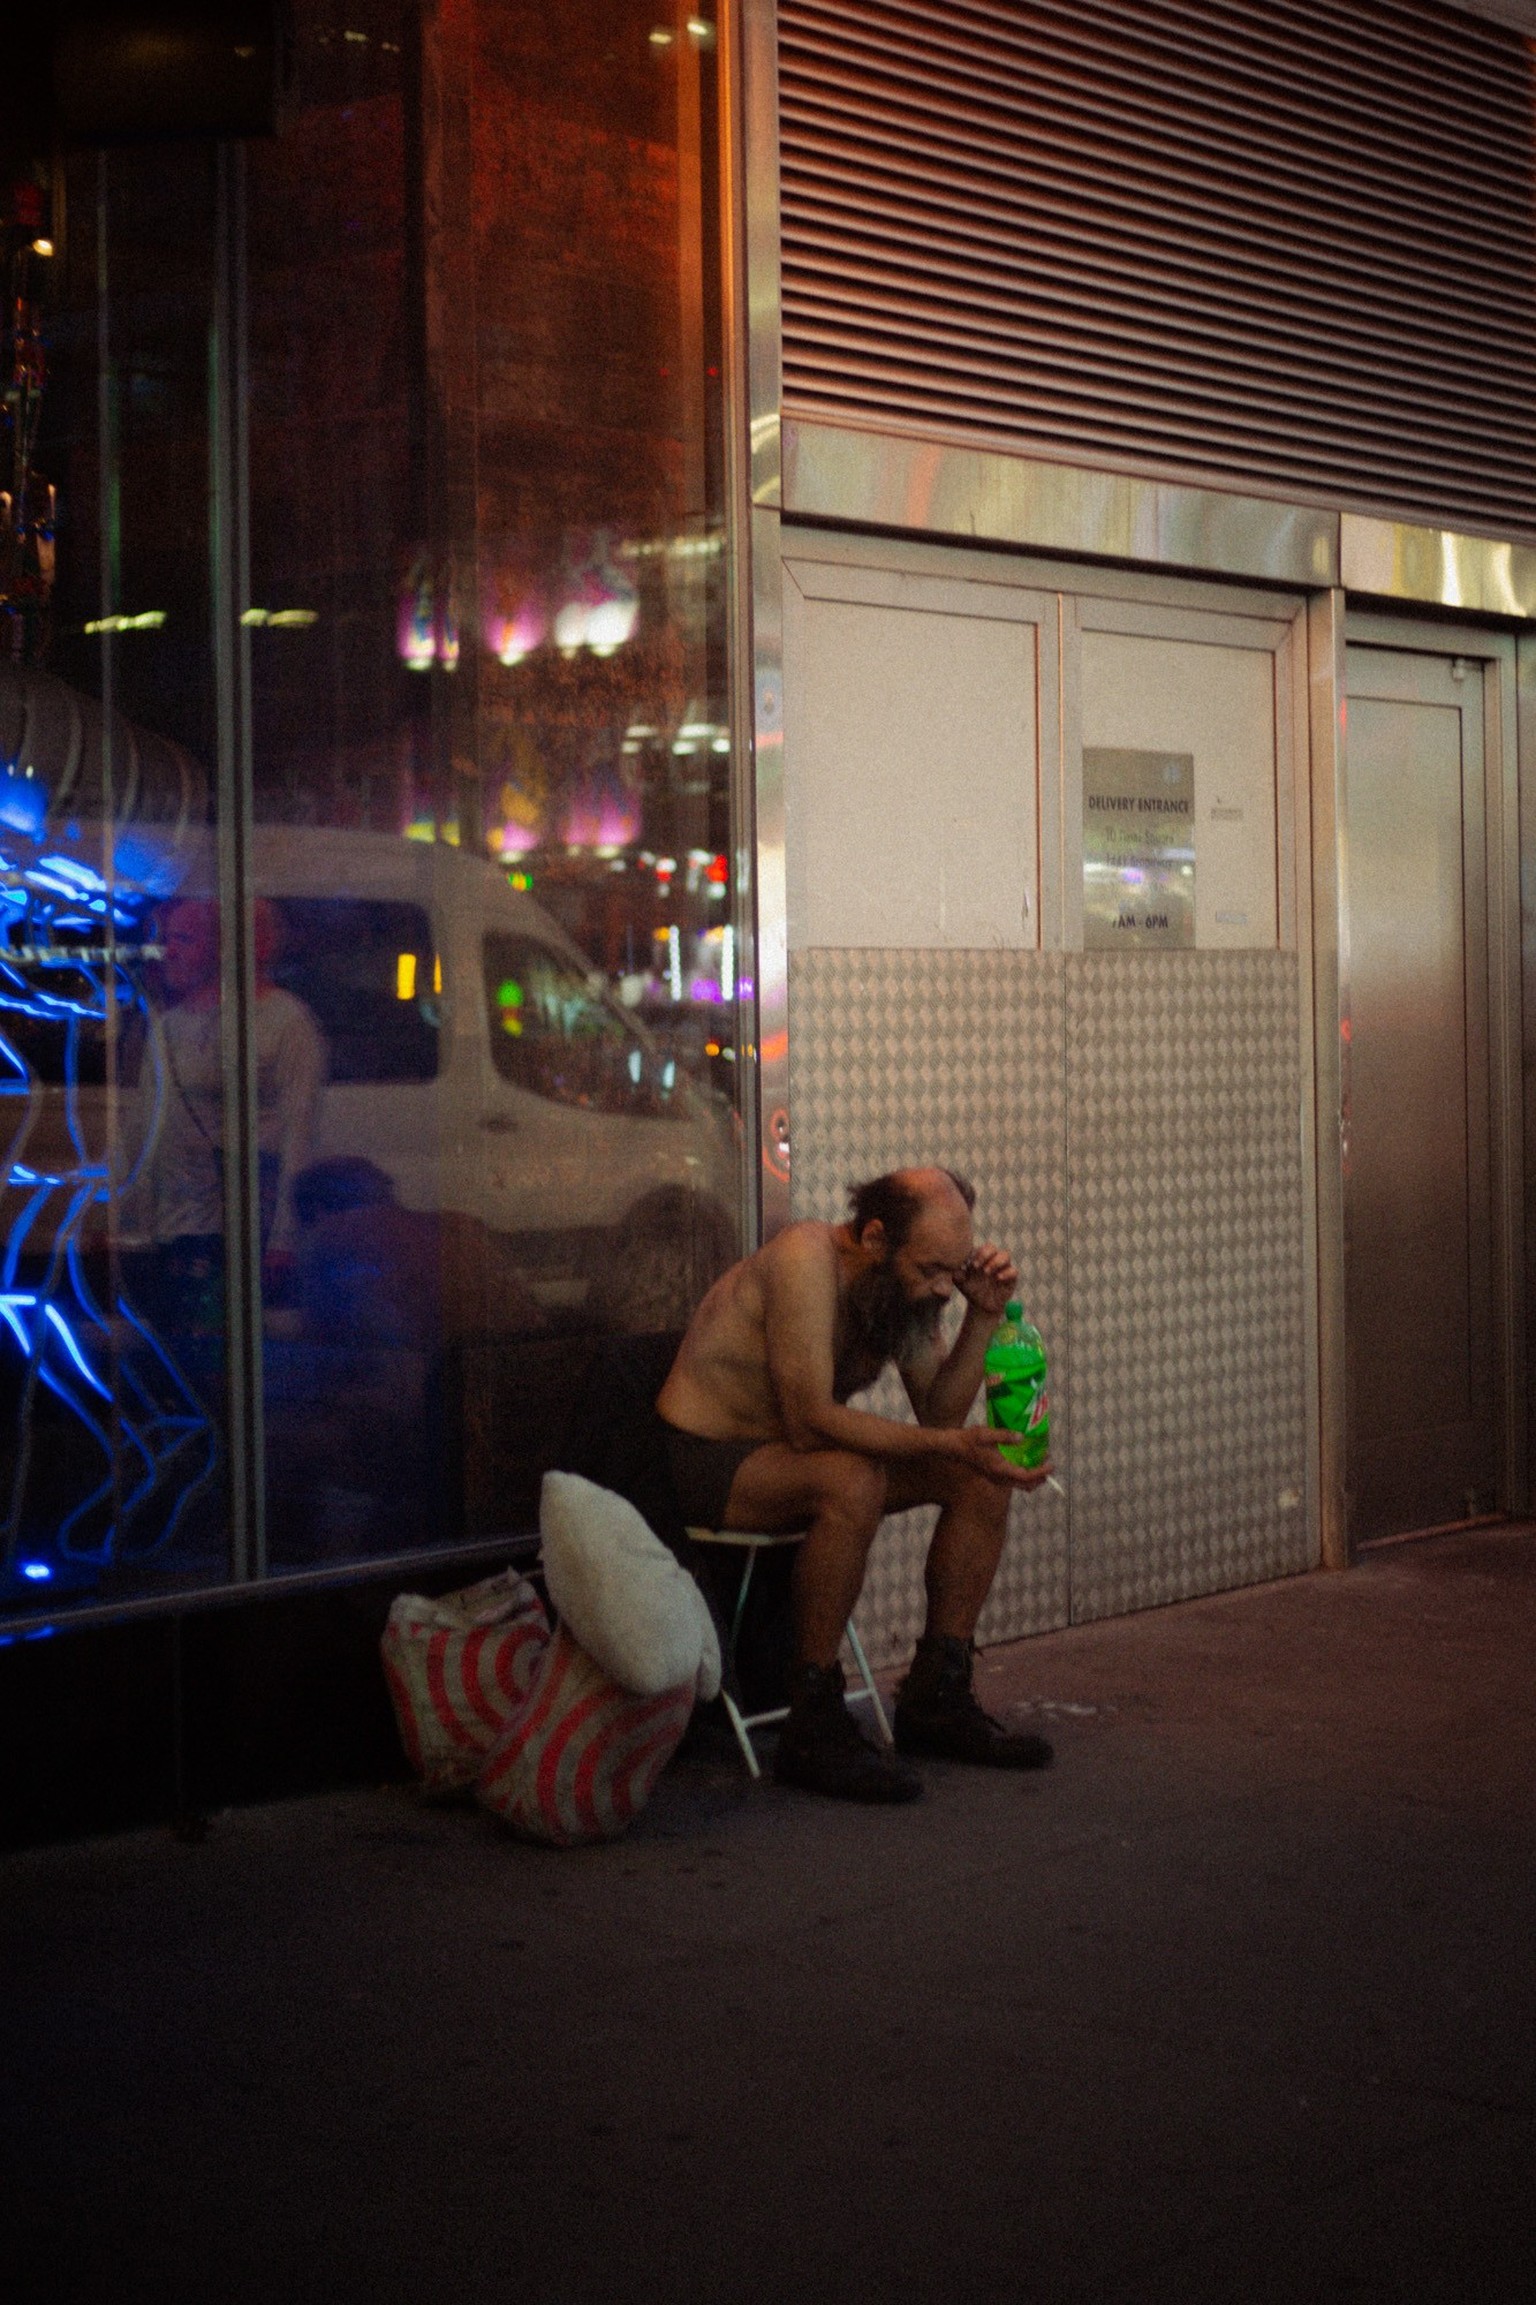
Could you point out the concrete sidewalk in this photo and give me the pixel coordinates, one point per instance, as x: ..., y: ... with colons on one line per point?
x: 1236, y: 2003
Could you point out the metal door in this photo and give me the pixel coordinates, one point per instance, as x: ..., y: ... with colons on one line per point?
x: 1423, y: 1424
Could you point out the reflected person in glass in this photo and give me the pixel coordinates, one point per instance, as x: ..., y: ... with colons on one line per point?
x: 176, y: 1211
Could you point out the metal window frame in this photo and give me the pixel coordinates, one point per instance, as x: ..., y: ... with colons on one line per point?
x: 234, y: 820
x: 760, y: 630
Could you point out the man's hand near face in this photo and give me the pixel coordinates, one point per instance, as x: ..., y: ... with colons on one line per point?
x: 942, y: 1388
x: 989, y: 1281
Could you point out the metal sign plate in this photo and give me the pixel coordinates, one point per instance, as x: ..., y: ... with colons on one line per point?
x: 1138, y: 849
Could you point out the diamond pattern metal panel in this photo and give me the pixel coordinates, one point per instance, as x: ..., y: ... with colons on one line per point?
x: 1133, y: 1127
x: 957, y: 1057
x: 1186, y: 1261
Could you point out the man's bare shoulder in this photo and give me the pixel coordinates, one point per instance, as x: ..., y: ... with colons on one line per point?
x: 808, y: 1244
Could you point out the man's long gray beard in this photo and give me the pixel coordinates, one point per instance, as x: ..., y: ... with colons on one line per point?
x: 881, y: 1322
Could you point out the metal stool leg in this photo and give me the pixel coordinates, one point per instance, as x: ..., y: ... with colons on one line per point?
x: 868, y: 1678
x: 743, y: 1737
x: 733, y: 1710
x: 742, y: 1724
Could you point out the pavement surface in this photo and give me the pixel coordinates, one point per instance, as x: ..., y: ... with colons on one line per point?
x: 1237, y: 2002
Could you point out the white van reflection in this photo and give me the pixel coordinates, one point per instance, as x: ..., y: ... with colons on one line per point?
x: 479, y: 1060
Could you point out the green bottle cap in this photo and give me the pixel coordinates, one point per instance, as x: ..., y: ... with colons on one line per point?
x: 1013, y: 1310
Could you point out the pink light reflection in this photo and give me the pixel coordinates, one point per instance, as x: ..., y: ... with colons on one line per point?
x: 602, y: 820
x: 515, y: 839
x: 511, y: 638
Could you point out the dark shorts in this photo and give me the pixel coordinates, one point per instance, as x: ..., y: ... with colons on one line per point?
x: 702, y: 1472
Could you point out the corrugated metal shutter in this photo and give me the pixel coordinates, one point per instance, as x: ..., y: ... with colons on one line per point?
x: 1283, y: 246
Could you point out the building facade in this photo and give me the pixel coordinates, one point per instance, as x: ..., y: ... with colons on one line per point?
x: 1141, y: 438
x: 624, y: 616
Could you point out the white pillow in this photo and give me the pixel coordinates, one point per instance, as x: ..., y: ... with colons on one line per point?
x: 627, y: 1601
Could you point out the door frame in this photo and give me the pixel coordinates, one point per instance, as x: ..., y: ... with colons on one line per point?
x: 1334, y: 626
x: 1099, y: 596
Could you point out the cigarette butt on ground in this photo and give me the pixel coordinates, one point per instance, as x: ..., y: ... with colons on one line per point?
x: 1051, y: 1482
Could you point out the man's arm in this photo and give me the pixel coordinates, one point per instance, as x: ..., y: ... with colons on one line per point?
x: 800, y: 1321
x: 942, y: 1388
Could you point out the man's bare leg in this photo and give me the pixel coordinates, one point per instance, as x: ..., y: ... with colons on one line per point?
x: 936, y: 1711
x: 967, y: 1544
x: 839, y: 1499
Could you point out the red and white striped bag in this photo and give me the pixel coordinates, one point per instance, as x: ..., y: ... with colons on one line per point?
x: 581, y: 1759
x: 459, y: 1669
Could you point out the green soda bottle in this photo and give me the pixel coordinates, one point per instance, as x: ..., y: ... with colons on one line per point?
x: 1017, y: 1401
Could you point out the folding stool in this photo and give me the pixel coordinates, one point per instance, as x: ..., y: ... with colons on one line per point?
x: 751, y: 1543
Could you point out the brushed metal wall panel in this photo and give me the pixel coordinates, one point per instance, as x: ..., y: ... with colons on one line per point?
x: 902, y: 1056
x: 1400, y: 562
x: 880, y: 479
x: 1186, y: 1273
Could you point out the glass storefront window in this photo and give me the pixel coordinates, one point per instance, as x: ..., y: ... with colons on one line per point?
x: 368, y: 991
x: 553, y: 1031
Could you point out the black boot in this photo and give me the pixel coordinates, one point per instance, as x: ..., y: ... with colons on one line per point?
x: 822, y: 1751
x: 938, y: 1716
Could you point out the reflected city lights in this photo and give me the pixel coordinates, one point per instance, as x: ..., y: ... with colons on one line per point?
x: 148, y: 620
x: 511, y: 638
x: 605, y: 822
x: 601, y: 625
x: 532, y: 479
x: 511, y: 839
x: 426, y: 623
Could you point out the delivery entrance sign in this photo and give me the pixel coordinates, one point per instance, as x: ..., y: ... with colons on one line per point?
x: 1138, y: 849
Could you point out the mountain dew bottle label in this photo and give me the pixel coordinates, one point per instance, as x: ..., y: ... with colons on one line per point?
x: 1017, y: 1401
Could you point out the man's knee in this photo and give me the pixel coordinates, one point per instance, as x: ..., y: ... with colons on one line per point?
x: 853, y: 1487
x: 983, y: 1502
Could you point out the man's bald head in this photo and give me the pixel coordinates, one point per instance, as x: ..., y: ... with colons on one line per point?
x: 896, y: 1200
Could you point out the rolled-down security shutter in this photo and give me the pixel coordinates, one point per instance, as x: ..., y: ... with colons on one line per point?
x: 1277, y: 245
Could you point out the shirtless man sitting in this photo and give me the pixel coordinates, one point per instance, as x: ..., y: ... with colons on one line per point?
x: 761, y: 1437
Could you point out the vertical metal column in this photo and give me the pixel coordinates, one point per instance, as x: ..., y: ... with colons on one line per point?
x: 735, y: 358
x: 760, y: 110
x: 230, y: 555
x: 109, y: 541
x: 451, y: 419
x: 1509, y: 1067
x: 1525, y: 707
x: 1330, y: 992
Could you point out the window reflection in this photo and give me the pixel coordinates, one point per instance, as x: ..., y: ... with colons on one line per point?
x: 483, y: 1063
x: 553, y: 1032
x: 175, y: 1201
x: 369, y: 974
x: 110, y: 1450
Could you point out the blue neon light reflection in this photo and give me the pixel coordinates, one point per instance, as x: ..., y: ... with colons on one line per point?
x: 160, y: 1447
